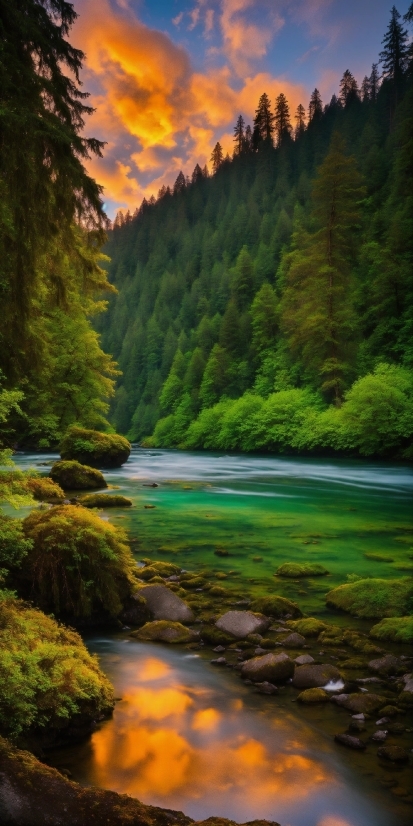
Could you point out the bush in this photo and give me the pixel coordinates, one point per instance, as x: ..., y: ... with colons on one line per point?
x: 90, y: 447
x: 13, y: 545
x: 78, y: 565
x: 44, y: 489
x: 373, y: 597
x: 72, y: 475
x: 46, y: 673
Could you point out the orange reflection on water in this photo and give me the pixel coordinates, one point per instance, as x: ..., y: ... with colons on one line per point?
x: 165, y: 742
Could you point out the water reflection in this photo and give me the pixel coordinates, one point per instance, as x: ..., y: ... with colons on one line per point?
x: 185, y: 737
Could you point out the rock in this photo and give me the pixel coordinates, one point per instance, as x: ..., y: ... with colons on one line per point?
x: 276, y: 606
x: 304, y: 659
x: 273, y: 668
x: 164, y: 631
x: 307, y: 626
x: 242, y: 623
x: 373, y: 597
x: 379, y: 736
x: 358, y: 716
x: 360, y: 703
x: 104, y: 500
x: 266, y: 688
x: 219, y: 661
x: 163, y: 604
x: 315, y: 676
x: 297, y: 569
x: 135, y: 611
x: 219, y: 649
x: 313, y: 695
x: 163, y: 569
x: 390, y: 711
x: 356, y: 725
x: 74, y: 476
x: 389, y: 664
x: 350, y: 741
x: 382, y: 721
x: 294, y: 640
x: 407, y: 679
x: 396, y: 754
x: 99, y: 450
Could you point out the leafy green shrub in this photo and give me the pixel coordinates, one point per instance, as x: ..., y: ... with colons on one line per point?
x: 373, y: 597
x: 203, y: 431
x: 71, y: 475
x: 235, y: 425
x: 14, y: 546
x: 90, y: 447
x: 46, y: 673
x: 78, y: 564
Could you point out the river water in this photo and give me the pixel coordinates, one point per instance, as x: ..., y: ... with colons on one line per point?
x: 186, y: 735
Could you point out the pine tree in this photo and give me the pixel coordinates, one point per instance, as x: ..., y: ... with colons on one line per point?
x: 180, y: 183
x: 408, y: 17
x: 197, y: 174
x: 243, y: 280
x: 264, y: 119
x: 217, y: 157
x: 374, y: 82
x: 205, y: 171
x: 315, y: 107
x: 282, y: 124
x: 365, y: 89
x: 393, y: 57
x: 317, y: 306
x: 248, y: 139
x: 299, y: 118
x: 348, y: 88
x: 239, y: 135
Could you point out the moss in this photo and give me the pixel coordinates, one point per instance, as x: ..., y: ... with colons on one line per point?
x: 217, y: 591
x: 332, y: 635
x: 43, y: 489
x: 164, y: 631
x: 95, y: 449
x: 47, y: 675
x: 313, y: 695
x: 105, y: 500
x: 373, y: 597
x: 352, y: 663
x: 275, y: 606
x: 308, y: 626
x: 164, y: 569
x: 74, y: 476
x: 194, y: 582
x: 297, y: 569
x: 78, y: 564
x: 394, y: 629
x: 378, y: 557
x: 213, y: 636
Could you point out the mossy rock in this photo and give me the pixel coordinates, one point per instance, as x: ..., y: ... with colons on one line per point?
x: 218, y: 591
x: 79, y: 565
x: 90, y: 447
x: 352, y: 664
x: 298, y: 569
x: 164, y: 631
x: 72, y: 475
x: 313, y: 695
x: 308, y: 626
x: 332, y: 635
x: 394, y: 629
x: 105, y: 500
x: 275, y: 606
x: 194, y: 582
x: 163, y: 569
x: 373, y: 597
x: 213, y: 636
x: 44, y: 489
x: 375, y: 557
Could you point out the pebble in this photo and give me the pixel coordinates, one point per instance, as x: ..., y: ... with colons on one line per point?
x: 266, y: 688
x: 379, y: 736
x: 219, y: 649
x: 382, y: 721
x: 219, y: 661
x: 359, y: 717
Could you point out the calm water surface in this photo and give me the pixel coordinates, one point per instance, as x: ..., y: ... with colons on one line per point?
x: 191, y: 737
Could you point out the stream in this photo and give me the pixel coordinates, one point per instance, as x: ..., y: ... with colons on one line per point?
x: 188, y: 736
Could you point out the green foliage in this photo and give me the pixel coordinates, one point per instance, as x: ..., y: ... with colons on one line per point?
x: 93, y: 448
x: 373, y: 597
x: 71, y: 475
x: 79, y: 564
x: 43, y: 489
x: 14, y: 545
x: 394, y: 629
x: 46, y: 673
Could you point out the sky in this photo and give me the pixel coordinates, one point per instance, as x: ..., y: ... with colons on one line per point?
x: 169, y: 79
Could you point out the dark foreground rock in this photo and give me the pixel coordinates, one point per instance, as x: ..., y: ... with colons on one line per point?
x: 396, y: 754
x: 242, y: 623
x: 350, y: 741
x: 163, y: 604
x: 32, y: 794
x: 272, y: 668
x: 315, y: 676
x: 360, y: 703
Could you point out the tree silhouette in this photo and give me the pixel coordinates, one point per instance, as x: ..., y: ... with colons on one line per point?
x: 264, y: 119
x: 299, y: 118
x: 282, y: 124
x: 315, y: 108
x: 217, y: 157
x: 239, y: 135
x: 393, y: 57
x: 348, y: 88
x: 180, y: 183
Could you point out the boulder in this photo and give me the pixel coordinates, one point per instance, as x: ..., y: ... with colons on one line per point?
x: 276, y: 606
x: 242, y: 623
x: 360, y: 703
x: 135, y: 611
x: 164, y: 631
x: 74, y: 476
x: 266, y: 688
x: 100, y: 450
x: 396, y: 754
x: 315, y: 676
x: 163, y: 569
x: 350, y: 741
x: 104, y: 500
x: 163, y: 604
x: 298, y: 569
x: 304, y: 659
x: 272, y: 668
x: 389, y: 664
x: 313, y: 695
x: 308, y: 626
x: 294, y: 640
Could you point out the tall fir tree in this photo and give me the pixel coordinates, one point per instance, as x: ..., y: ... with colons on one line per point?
x: 239, y: 135
x: 299, y: 118
x: 282, y: 123
x: 348, y: 88
x: 315, y: 108
x: 217, y: 157
x: 393, y: 57
x: 264, y: 119
x: 374, y: 82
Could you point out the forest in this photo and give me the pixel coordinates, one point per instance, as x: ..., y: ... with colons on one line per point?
x: 268, y: 304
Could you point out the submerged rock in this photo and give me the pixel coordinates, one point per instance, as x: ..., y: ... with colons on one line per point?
x: 350, y: 741
x: 294, y: 640
x: 301, y: 569
x: 164, y: 631
x: 307, y: 626
x: 272, y: 668
x: 315, y: 676
x: 105, y: 500
x: 242, y: 623
x: 396, y: 754
x: 313, y: 695
x: 389, y: 664
x: 163, y: 604
x: 360, y: 703
x: 72, y: 475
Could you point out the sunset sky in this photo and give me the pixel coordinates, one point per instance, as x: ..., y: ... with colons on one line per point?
x: 168, y: 79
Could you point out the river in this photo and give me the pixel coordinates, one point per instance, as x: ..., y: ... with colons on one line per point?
x: 189, y: 736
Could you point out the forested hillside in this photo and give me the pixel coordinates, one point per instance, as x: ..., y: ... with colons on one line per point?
x: 269, y: 304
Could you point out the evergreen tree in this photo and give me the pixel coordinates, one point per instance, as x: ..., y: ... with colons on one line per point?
x: 197, y: 174
x: 393, y: 57
x: 180, y: 183
x: 282, y: 124
x: 248, y: 139
x: 217, y: 157
x: 215, y: 378
x: 299, y: 118
x: 239, y: 135
x: 315, y: 108
x: 348, y: 88
x: 365, y: 89
x: 264, y: 318
x: 318, y: 313
x: 374, y: 82
x: 264, y: 119
x: 243, y: 280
